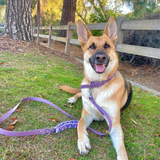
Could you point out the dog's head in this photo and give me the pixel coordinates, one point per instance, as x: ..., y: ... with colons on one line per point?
x: 99, y: 52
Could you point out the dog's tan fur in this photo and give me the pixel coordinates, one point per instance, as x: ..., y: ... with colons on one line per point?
x: 112, y: 96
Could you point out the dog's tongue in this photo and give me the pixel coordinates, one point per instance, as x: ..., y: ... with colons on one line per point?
x: 99, y: 67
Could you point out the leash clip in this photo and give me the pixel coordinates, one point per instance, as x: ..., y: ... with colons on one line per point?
x: 93, y: 83
x: 90, y: 93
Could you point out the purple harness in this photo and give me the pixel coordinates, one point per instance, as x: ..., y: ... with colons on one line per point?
x: 62, y: 126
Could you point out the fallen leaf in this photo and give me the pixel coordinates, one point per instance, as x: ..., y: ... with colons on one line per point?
x: 133, y: 121
x: 17, y: 110
x: 107, y: 131
x: 18, y: 154
x: 56, y: 153
x: 157, y: 135
x: 72, y: 158
x: 151, y: 144
x: 14, y: 118
x: 54, y: 119
x: 1, y: 63
x: 65, y: 105
x: 148, y: 123
x: 13, y: 123
x: 10, y: 128
x: 27, y: 100
x: 40, y: 96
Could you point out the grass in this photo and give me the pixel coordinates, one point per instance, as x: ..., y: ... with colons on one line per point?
x: 37, y: 74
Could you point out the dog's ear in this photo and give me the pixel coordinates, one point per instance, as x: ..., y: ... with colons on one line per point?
x: 83, y: 32
x: 111, y: 30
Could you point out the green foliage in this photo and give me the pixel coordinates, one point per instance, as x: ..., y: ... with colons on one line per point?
x: 50, y: 11
x: 141, y: 7
x: 97, y: 15
x: 2, y: 13
x: 33, y: 3
x: 2, y: 2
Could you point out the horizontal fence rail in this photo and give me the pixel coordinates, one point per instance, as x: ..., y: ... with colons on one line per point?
x: 122, y: 25
x: 141, y: 25
x: 139, y: 50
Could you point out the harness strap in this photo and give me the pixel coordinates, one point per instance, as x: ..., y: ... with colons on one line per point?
x: 60, y: 127
x: 103, y: 112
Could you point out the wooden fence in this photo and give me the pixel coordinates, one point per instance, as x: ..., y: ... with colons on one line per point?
x: 122, y: 25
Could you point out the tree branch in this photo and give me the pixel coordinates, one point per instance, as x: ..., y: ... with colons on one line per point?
x: 81, y: 17
x: 103, y: 9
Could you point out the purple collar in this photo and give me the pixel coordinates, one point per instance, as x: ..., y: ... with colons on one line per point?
x: 94, y: 84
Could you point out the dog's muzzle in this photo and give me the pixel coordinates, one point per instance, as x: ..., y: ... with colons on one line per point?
x: 99, y: 61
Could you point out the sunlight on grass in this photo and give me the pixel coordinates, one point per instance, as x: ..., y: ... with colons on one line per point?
x: 38, y: 75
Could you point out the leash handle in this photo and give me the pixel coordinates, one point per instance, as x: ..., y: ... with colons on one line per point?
x: 57, y: 129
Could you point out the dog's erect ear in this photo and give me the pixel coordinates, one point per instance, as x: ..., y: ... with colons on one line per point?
x: 83, y: 32
x: 111, y: 30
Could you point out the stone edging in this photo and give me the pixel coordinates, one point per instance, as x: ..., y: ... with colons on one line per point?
x: 156, y: 93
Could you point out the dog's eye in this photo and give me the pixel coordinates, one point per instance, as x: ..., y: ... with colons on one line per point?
x: 106, y: 45
x: 92, y: 46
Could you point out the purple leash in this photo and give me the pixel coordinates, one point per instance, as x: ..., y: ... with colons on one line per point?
x: 62, y: 126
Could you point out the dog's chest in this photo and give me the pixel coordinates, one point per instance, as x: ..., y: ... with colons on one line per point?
x: 102, y: 97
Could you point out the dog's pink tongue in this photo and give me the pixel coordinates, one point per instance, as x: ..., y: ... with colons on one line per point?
x: 99, y: 67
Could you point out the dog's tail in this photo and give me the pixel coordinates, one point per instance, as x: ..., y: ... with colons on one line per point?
x: 69, y: 89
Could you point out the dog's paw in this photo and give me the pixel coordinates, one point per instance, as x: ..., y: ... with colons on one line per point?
x: 72, y: 100
x: 84, y: 146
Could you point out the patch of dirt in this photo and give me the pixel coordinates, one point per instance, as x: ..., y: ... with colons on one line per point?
x: 144, y: 75
x: 7, y: 44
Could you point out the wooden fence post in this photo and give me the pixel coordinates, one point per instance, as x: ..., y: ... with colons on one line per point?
x: 38, y: 40
x: 120, y: 32
x: 50, y: 35
x: 69, y: 36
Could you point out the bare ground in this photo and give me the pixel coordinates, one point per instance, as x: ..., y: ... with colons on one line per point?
x: 144, y: 75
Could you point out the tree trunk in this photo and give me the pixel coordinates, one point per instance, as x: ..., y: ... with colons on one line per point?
x: 19, y: 20
x: 68, y: 15
x: 39, y: 15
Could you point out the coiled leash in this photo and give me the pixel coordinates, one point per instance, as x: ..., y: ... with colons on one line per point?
x: 59, y: 128
x: 62, y: 126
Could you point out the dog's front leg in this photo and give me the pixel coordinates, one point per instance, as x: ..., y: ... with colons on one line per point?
x: 118, y: 139
x: 83, y: 140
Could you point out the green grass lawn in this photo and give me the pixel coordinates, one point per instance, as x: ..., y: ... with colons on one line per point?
x: 36, y: 74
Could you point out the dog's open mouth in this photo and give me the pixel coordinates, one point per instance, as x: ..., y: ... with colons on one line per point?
x: 99, y: 68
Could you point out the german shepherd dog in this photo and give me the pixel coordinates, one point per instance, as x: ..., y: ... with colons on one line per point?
x: 101, y: 62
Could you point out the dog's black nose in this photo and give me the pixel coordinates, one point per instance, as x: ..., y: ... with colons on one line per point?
x: 100, y: 57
